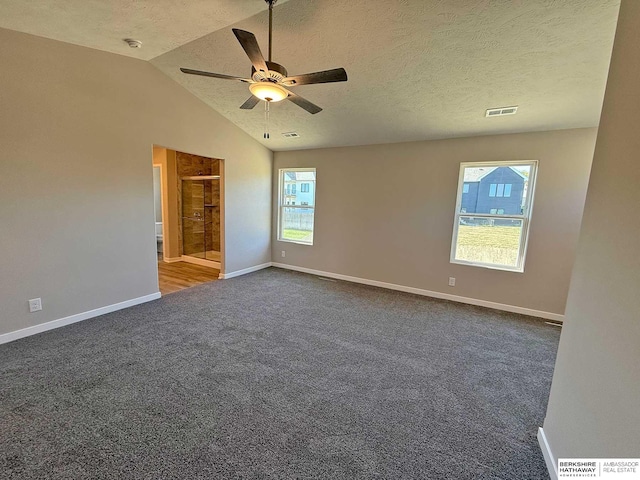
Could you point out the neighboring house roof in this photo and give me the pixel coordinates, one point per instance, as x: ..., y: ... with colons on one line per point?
x: 301, y: 176
x: 475, y: 174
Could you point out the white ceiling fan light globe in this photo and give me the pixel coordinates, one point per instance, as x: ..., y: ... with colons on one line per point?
x: 268, y: 91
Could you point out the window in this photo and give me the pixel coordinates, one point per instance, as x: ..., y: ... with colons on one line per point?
x: 491, y: 229
x: 295, y: 222
x: 465, y: 188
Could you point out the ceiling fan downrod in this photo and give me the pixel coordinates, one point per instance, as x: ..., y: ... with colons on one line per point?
x: 271, y: 4
x: 267, y: 112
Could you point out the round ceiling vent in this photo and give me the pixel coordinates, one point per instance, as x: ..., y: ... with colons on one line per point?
x: 133, y: 43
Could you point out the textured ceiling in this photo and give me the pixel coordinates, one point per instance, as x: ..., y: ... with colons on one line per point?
x: 418, y: 69
x: 161, y: 25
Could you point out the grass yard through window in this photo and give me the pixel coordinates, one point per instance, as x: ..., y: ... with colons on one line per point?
x: 297, y: 235
x: 489, y: 244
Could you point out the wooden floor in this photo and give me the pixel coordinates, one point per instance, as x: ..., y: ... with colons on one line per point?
x: 177, y: 276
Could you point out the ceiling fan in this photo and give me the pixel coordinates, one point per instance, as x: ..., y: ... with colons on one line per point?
x: 269, y: 79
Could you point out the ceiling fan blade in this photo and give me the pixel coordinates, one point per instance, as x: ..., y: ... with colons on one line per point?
x: 214, y: 75
x: 327, y: 76
x: 251, y: 102
x: 304, y: 103
x: 252, y: 49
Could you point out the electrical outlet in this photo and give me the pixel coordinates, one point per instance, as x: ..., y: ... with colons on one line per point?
x: 283, y: 253
x: 452, y: 281
x: 35, y: 305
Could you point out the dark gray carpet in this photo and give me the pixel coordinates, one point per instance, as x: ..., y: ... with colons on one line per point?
x: 280, y: 375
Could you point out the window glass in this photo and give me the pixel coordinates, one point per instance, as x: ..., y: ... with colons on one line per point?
x: 487, y: 241
x: 296, y: 209
x: 492, y: 218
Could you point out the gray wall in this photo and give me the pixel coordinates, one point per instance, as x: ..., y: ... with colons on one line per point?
x: 594, y: 406
x: 77, y: 128
x: 385, y: 213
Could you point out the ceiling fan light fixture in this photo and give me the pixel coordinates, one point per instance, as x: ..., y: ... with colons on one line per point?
x: 268, y: 91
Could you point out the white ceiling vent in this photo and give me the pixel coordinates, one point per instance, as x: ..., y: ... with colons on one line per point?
x: 290, y: 135
x: 133, y: 43
x: 498, y: 112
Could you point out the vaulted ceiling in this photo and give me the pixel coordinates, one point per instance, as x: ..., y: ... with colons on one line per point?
x: 418, y: 69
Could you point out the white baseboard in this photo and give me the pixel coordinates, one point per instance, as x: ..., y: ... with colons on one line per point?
x: 548, y: 456
x: 227, y: 276
x: 200, y: 261
x: 171, y: 260
x: 61, y: 322
x: 427, y: 293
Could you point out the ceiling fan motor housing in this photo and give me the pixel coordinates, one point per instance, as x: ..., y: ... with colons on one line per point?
x: 276, y: 73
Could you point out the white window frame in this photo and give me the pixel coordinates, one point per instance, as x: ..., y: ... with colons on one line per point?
x: 282, y: 205
x: 525, y: 216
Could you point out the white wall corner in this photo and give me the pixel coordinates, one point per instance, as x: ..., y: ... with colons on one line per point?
x: 549, y: 459
x: 237, y: 273
x: 427, y: 293
x: 61, y: 322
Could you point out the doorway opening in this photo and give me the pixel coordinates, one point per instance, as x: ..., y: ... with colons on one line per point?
x: 189, y: 224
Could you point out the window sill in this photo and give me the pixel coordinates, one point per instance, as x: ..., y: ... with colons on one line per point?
x: 489, y: 266
x: 295, y: 241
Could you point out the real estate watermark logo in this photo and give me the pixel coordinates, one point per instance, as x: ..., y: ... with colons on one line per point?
x: 602, y: 468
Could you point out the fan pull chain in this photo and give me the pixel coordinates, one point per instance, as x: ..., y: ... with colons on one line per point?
x: 266, y: 120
